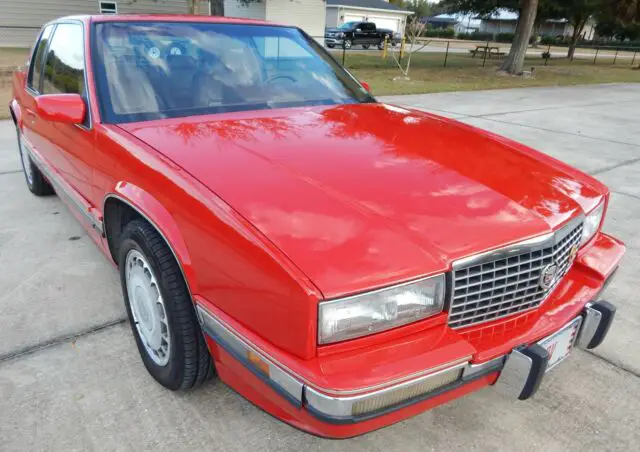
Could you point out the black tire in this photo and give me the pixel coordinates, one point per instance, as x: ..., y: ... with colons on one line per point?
x: 381, y: 45
x: 347, y: 44
x: 189, y: 363
x: 366, y: 46
x: 37, y: 184
x: 331, y: 46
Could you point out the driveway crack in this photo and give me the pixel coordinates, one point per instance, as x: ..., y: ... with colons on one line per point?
x: 59, y: 340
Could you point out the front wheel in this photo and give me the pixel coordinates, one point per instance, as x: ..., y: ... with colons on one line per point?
x: 381, y: 45
x: 36, y: 182
x: 331, y: 46
x: 160, y: 310
x: 347, y: 43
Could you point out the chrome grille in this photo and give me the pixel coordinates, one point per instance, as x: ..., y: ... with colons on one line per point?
x: 508, y: 281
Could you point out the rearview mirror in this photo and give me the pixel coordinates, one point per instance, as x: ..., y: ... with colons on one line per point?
x: 65, y: 108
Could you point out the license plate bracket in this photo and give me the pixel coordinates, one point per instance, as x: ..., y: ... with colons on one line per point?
x: 560, y: 343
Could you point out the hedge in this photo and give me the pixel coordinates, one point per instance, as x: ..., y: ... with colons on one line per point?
x: 439, y: 33
x: 476, y: 36
x: 505, y: 37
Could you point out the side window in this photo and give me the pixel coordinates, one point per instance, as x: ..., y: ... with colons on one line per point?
x: 35, y: 67
x: 64, y: 63
x: 370, y: 27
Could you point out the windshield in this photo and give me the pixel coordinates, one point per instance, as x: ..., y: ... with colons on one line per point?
x: 348, y: 25
x: 154, y: 70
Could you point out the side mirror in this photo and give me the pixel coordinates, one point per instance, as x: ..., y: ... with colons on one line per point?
x: 65, y: 108
x: 366, y: 86
x: 358, y: 29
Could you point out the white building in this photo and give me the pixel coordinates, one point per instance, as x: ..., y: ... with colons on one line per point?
x: 21, y: 20
x: 306, y: 14
x: 382, y: 13
x: 505, y: 21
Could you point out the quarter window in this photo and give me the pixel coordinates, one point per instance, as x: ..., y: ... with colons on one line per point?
x: 35, y: 67
x: 64, y: 67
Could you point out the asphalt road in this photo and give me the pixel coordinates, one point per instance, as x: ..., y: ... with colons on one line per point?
x: 71, y: 378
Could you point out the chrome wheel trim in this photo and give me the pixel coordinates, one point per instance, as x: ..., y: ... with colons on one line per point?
x: 147, y: 307
x: 26, y: 160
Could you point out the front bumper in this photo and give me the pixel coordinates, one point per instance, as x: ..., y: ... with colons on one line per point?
x: 293, y: 394
x: 333, y: 41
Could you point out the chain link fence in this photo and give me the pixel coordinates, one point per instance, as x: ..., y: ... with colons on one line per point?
x: 455, y: 53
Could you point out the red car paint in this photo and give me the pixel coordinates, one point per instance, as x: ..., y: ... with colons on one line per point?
x: 270, y: 212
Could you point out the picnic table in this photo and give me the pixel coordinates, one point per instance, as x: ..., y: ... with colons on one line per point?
x: 489, y: 50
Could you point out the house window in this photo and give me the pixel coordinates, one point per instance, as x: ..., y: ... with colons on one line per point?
x: 108, y: 7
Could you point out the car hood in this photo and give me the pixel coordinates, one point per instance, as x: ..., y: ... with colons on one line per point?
x: 361, y: 196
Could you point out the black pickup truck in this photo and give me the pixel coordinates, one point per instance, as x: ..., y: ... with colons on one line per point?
x: 365, y: 34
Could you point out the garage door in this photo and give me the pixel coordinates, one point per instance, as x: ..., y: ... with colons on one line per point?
x: 389, y: 24
x: 352, y: 18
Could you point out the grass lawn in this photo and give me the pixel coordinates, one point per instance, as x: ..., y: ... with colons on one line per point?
x: 464, y: 73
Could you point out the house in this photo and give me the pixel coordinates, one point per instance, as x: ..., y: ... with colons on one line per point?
x: 20, y: 20
x: 505, y: 21
x: 461, y: 23
x: 306, y: 14
x: 382, y: 13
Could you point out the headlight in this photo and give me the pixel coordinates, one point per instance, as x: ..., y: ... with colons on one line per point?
x: 368, y: 313
x: 592, y: 223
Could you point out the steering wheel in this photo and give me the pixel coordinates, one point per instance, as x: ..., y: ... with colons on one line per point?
x: 275, y: 77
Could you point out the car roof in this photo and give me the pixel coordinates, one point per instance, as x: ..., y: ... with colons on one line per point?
x: 164, y: 18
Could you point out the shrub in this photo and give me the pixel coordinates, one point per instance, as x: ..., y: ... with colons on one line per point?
x: 505, y: 37
x: 439, y: 33
x: 476, y: 36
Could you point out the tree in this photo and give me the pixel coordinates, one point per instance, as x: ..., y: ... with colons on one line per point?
x: 527, y: 10
x: 515, y: 60
x: 414, y: 30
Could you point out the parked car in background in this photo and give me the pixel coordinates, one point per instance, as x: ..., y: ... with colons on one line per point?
x: 342, y: 263
x: 350, y: 34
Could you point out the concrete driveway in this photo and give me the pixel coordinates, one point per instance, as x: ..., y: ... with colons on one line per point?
x: 71, y: 378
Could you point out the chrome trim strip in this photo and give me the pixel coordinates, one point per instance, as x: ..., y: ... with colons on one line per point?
x: 590, y: 324
x: 278, y: 378
x: 514, y: 375
x: 233, y: 337
x: 61, y: 189
x: 394, y: 383
x: 342, y: 406
x: 474, y: 369
x: 525, y: 246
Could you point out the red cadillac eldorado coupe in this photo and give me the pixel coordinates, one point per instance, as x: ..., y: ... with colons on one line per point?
x: 342, y: 263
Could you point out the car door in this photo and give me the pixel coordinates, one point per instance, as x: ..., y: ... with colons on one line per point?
x: 30, y: 127
x: 68, y: 148
x: 360, y: 34
x: 372, y: 34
